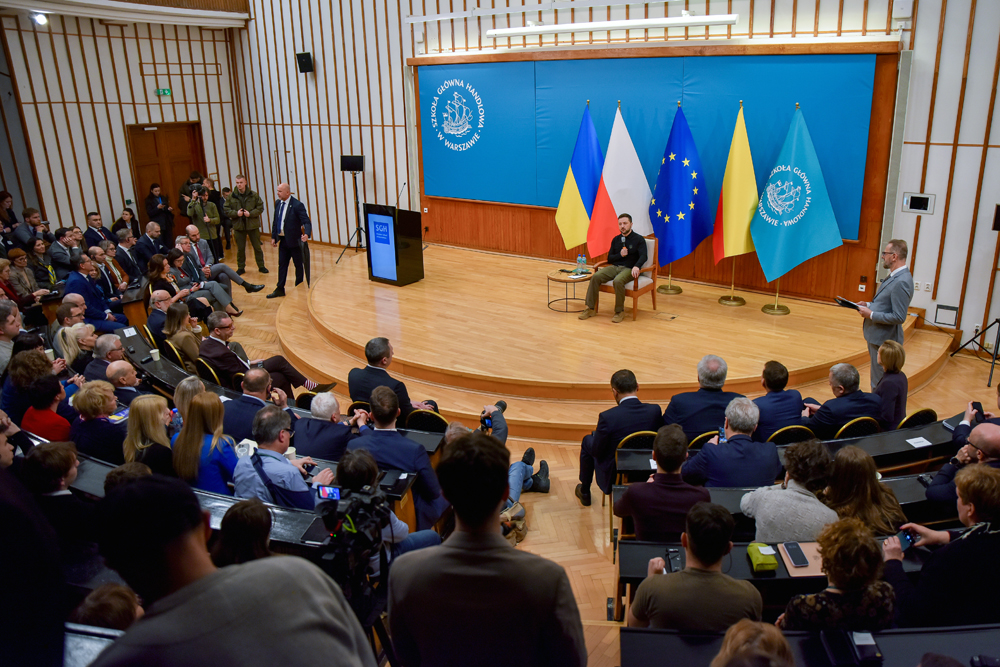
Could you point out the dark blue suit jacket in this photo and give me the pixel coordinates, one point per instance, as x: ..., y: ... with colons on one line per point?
x: 97, y: 369
x: 125, y: 260
x: 296, y: 222
x: 144, y: 250
x: 126, y: 396
x: 93, y: 237
x: 361, y: 382
x: 238, y: 420
x: 613, y: 426
x: 960, y: 436
x: 699, y: 411
x: 101, y: 439
x: 77, y: 283
x: 323, y: 439
x: 738, y: 462
x: 394, y: 451
x: 157, y: 318
x: 778, y: 409
x: 838, y: 411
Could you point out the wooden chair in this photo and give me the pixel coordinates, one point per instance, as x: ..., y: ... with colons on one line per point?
x: 358, y: 405
x: 426, y: 420
x: 147, y: 294
x: 791, y: 434
x: 148, y: 335
x: 305, y: 399
x: 640, y: 440
x: 171, y: 353
x: 918, y: 418
x: 702, y: 439
x: 857, y: 428
x: 206, y: 372
x: 646, y: 282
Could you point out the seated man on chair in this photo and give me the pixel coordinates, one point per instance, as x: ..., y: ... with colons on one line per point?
x: 257, y: 394
x: 324, y: 435
x: 704, y: 410
x: 983, y: 448
x: 201, y: 254
x: 960, y: 435
x: 848, y: 403
x: 98, y: 312
x: 225, y: 360
x: 625, y: 259
x: 779, y: 407
x: 122, y: 376
x: 159, y: 303
x: 739, y: 461
x: 394, y: 451
x: 361, y: 381
x: 597, y: 452
x: 108, y: 348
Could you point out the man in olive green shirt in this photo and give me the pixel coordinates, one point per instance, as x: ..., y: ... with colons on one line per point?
x: 699, y: 598
x: 204, y: 214
x: 244, y: 207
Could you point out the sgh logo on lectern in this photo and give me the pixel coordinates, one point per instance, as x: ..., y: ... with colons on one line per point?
x: 453, y: 116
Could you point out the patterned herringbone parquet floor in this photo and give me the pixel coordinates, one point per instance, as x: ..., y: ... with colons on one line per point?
x: 559, y: 528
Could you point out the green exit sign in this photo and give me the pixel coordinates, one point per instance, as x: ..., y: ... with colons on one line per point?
x: 163, y: 91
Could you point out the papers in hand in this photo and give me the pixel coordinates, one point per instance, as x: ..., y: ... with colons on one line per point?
x: 841, y: 301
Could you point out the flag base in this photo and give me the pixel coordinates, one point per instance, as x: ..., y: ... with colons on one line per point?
x: 775, y: 309
x: 730, y: 300
x: 669, y: 289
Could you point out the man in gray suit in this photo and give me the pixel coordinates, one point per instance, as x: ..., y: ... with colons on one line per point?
x: 201, y: 254
x: 885, y: 315
x: 63, y: 250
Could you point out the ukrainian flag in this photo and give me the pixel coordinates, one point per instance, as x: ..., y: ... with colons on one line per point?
x: 576, y: 203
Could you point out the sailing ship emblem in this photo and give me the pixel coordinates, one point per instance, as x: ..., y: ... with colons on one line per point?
x: 781, y: 196
x: 457, y: 116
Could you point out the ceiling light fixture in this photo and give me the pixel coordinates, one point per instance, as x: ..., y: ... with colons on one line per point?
x: 40, y: 19
x: 601, y: 26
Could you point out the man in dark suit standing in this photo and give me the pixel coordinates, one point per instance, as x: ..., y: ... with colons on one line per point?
x: 289, y: 232
x: 98, y: 312
x: 361, y: 381
x: 148, y: 246
x: 324, y: 435
x: 779, y: 407
x: 885, y: 315
x: 96, y: 231
x: 739, y: 461
x: 848, y: 403
x: 257, y: 393
x: 597, y: 452
x: 704, y: 410
x: 392, y: 450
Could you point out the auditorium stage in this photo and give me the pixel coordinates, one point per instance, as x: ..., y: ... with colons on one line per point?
x: 478, y: 327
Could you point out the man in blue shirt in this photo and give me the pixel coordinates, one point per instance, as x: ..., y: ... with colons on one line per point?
x: 267, y: 474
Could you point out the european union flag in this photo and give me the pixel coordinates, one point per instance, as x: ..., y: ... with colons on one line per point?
x: 794, y: 219
x: 681, y: 215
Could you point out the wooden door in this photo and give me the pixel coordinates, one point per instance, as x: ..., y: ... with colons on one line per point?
x: 164, y: 153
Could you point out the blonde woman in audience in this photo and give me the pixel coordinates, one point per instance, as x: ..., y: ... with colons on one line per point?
x: 184, y: 393
x: 78, y: 343
x: 184, y: 333
x: 893, y: 385
x: 748, y: 637
x: 95, y: 434
x: 203, y: 456
x: 147, y: 440
x: 855, y: 491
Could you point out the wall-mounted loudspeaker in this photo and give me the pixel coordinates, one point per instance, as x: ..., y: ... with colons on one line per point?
x: 352, y: 162
x: 305, y: 61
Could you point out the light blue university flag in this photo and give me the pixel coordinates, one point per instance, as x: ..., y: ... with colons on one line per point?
x: 794, y: 220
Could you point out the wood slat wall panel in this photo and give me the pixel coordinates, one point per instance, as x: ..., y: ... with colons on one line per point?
x: 239, y: 6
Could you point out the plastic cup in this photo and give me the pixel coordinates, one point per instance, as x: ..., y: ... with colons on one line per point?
x: 50, y: 354
x: 155, y: 354
x: 290, y: 454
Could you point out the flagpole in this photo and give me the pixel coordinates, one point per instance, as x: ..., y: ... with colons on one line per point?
x: 669, y: 288
x: 732, y: 299
x: 775, y: 308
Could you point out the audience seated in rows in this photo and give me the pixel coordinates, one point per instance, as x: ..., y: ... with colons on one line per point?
x: 227, y: 361
x: 210, y: 266
x: 702, y: 411
x: 107, y: 348
x: 94, y: 433
x: 961, y: 433
x: 113, y: 271
x: 96, y: 231
x: 779, y: 407
x: 111, y: 286
x: 69, y: 313
x: 597, y: 451
x: 184, y: 333
x: 162, y: 279
x: 490, y: 592
x: 185, y: 275
x: 267, y: 474
x: 759, y: 644
x: 125, y: 380
x: 739, y: 461
x: 855, y: 599
x: 358, y: 469
x: 854, y: 490
x: 154, y: 533
x: 146, y: 246
x: 99, y: 308
x: 111, y: 606
x: 393, y: 451
x: 244, y: 534
x: 699, y: 598
x: 147, y: 441
x: 184, y: 393
x: 77, y: 343
x: 65, y: 249
x: 10, y: 326
x: 983, y: 447
x: 258, y: 391
x: 40, y: 265
x: 893, y: 387
x: 791, y: 512
x: 43, y: 418
x: 958, y: 584
x: 659, y: 508
x: 324, y: 435
x: 160, y: 302
x: 848, y: 404
x: 24, y: 369
x: 202, y: 455
x: 12, y: 438
x: 125, y: 255
x: 23, y: 278
x: 362, y: 381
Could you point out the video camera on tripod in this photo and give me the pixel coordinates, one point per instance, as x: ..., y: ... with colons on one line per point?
x: 355, y: 521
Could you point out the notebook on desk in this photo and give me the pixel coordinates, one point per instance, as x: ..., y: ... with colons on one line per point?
x: 815, y: 567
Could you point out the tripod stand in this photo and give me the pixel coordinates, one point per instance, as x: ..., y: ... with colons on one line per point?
x: 357, y: 221
x: 993, y: 362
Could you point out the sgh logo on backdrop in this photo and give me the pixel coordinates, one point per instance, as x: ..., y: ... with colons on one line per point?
x: 785, y: 202
x: 457, y: 114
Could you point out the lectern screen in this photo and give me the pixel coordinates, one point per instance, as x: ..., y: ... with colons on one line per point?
x: 382, y: 246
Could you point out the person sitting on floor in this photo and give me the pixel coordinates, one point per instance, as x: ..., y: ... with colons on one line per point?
x: 739, y: 461
x: 848, y: 403
x: 699, y: 598
x: 704, y: 410
x: 659, y: 509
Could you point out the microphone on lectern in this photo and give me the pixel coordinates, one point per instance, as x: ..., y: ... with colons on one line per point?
x: 400, y: 194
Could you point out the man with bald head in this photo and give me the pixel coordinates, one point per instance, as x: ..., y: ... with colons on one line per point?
x: 122, y: 376
x: 983, y: 448
x: 290, y: 231
x: 147, y: 246
x: 258, y: 391
x: 159, y: 302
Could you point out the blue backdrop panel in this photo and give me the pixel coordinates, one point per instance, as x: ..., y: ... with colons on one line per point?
x: 648, y: 88
x: 480, y: 145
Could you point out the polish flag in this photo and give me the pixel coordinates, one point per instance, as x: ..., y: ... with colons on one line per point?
x: 623, y: 189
